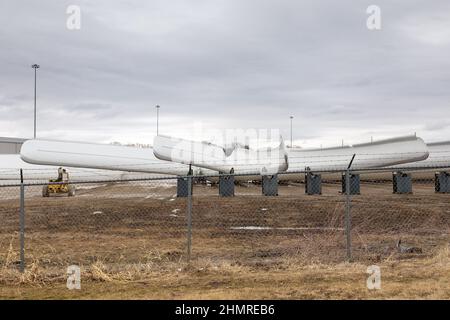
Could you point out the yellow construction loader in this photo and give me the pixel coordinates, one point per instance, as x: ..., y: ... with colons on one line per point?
x: 59, y: 186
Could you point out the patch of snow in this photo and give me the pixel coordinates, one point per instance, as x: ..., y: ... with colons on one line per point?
x: 251, y: 228
x: 287, y: 228
x: 81, y: 187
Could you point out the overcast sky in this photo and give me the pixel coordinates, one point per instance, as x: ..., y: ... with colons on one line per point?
x: 226, y: 64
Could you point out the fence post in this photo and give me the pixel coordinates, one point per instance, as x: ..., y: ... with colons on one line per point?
x: 348, y: 204
x: 189, y: 219
x: 22, y: 223
x: 348, y: 219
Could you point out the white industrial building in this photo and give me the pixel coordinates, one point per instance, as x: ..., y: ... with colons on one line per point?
x: 10, y: 145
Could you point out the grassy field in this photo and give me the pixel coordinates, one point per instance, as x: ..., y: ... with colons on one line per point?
x: 408, y: 279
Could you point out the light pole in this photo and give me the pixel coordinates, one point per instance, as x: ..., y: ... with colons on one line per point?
x: 157, y: 119
x: 291, y: 117
x: 35, y: 67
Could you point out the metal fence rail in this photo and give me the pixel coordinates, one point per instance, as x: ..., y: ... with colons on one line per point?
x: 326, y: 217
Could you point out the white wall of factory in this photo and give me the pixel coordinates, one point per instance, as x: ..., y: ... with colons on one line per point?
x: 10, y: 145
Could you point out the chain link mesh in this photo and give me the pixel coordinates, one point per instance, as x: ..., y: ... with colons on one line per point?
x: 235, y: 219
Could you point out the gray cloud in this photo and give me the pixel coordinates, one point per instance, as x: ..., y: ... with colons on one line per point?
x: 229, y: 64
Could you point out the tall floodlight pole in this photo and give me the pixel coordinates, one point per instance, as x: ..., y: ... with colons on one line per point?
x: 291, y: 117
x: 157, y: 119
x: 35, y: 67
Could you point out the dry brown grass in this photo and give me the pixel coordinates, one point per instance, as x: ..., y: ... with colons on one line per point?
x: 416, y: 278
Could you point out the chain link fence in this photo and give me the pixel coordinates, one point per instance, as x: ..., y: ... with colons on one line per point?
x: 301, y: 217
